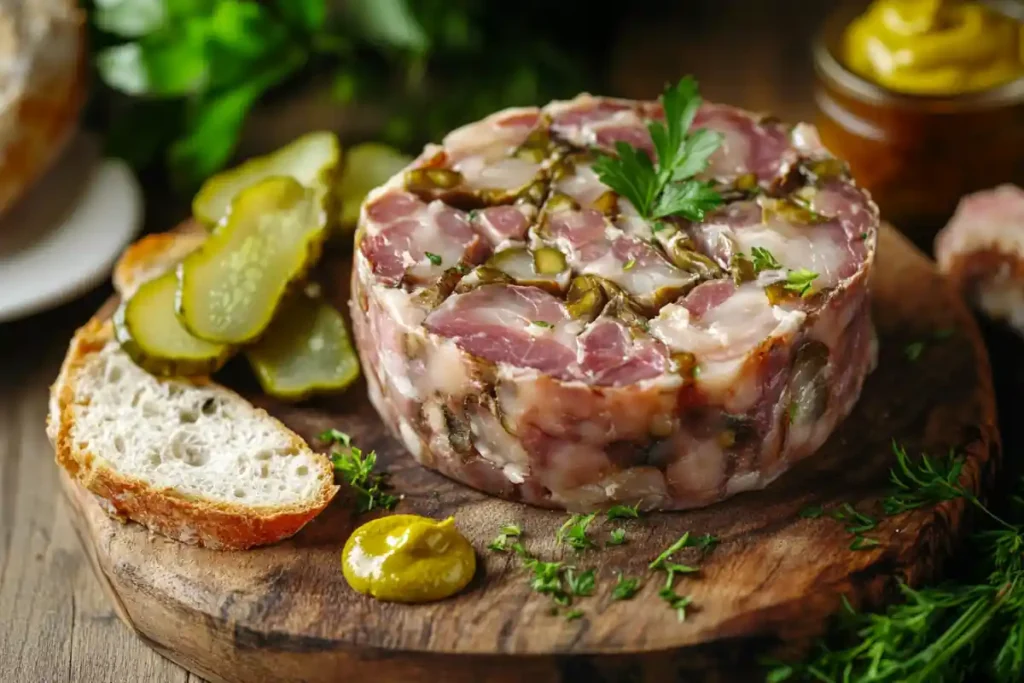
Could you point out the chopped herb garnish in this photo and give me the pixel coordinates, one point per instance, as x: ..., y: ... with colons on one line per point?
x: 763, y: 260
x: 433, y: 258
x: 623, y: 511
x: 668, y: 188
x: 625, y: 589
x: 573, y: 615
x: 913, y: 350
x: 335, y: 436
x: 356, y: 468
x: 812, y: 512
x: 500, y: 543
x: 542, y: 323
x: 580, y: 585
x: 574, y: 532
x: 707, y: 542
x: 926, y: 482
x: 800, y: 280
x: 473, y: 213
x: 863, y: 236
x: 617, y: 537
x: 547, y: 576
x: 659, y: 561
x: 677, y: 602
x: 628, y: 265
x: 863, y: 543
x: 856, y: 522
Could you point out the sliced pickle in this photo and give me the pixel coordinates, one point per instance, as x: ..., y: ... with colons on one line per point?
x: 312, y: 160
x: 683, y: 255
x: 229, y: 288
x: 151, y: 334
x: 434, y: 295
x: 545, y: 268
x: 548, y: 261
x: 482, y: 275
x: 364, y: 168
x: 306, y: 350
x: 431, y: 179
x: 589, y: 295
x: 794, y: 209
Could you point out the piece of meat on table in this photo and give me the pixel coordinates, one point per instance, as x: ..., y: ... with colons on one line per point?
x: 525, y: 330
x: 981, y: 251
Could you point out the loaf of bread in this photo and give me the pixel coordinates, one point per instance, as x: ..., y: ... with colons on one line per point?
x: 42, y: 88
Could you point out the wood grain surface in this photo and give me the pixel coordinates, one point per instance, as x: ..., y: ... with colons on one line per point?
x: 285, y: 613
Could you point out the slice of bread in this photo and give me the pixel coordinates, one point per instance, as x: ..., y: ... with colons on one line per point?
x: 186, y: 458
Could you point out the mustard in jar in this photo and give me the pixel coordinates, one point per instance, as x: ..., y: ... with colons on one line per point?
x: 935, y: 47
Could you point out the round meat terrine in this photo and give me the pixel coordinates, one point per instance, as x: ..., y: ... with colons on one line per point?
x: 525, y: 332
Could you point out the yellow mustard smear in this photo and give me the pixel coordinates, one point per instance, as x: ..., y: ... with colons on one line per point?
x: 408, y: 558
x: 935, y: 47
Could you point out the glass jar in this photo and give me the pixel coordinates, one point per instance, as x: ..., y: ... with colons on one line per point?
x: 917, y: 155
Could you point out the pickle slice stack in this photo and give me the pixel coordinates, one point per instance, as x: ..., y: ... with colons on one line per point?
x: 242, y: 289
x: 151, y: 334
x: 312, y: 161
x: 305, y: 350
x: 230, y: 287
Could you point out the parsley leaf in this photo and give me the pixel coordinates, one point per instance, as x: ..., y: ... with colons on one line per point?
x: 542, y: 323
x: 628, y: 265
x: 623, y: 511
x: 432, y: 257
x: 574, y: 532
x: 500, y: 543
x: 335, y: 436
x: 617, y: 537
x: 631, y: 174
x: 547, y: 576
x: 667, y: 189
x: 800, y: 280
x: 625, y: 589
x: 690, y: 200
x: 763, y: 260
x: 582, y: 584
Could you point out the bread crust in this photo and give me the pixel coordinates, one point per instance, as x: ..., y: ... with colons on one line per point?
x: 211, y: 524
x: 153, y: 254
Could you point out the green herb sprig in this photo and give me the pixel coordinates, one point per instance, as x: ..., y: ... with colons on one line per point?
x: 574, y: 532
x: 971, y: 630
x: 667, y: 188
x: 356, y: 468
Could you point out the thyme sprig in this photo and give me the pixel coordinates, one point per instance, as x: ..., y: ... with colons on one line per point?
x: 356, y: 468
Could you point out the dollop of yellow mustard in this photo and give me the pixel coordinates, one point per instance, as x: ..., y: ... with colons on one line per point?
x: 408, y: 558
x: 935, y: 47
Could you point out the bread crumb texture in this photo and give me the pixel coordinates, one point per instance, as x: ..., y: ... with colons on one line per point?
x: 198, y: 440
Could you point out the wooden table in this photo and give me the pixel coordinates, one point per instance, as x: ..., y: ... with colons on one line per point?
x: 57, y: 624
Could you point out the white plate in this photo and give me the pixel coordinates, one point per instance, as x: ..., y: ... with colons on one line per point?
x: 63, y: 237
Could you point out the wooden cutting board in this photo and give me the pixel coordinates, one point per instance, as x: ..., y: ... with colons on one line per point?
x: 285, y: 613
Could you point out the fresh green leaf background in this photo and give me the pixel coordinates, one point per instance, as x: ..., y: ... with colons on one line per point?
x: 177, y: 79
